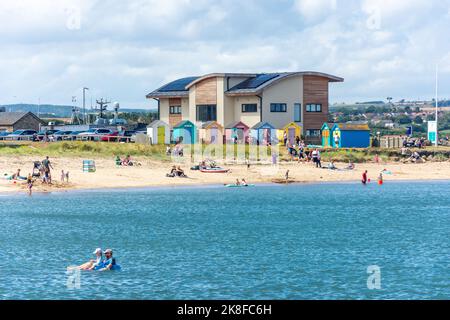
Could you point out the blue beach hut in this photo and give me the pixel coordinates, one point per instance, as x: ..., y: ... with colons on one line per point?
x: 350, y: 135
x: 185, y: 132
x: 263, y: 133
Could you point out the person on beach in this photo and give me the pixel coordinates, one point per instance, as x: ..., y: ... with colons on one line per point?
x: 287, y: 176
x: 67, y: 176
x: 16, y: 176
x: 94, y: 264
x: 30, y: 184
x: 244, y: 183
x: 364, y: 178
x: 238, y: 183
x: 63, y: 176
x: 47, y: 166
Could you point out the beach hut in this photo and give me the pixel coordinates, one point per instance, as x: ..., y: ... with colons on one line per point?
x: 237, y: 131
x: 292, y: 131
x: 350, y: 135
x: 326, y: 135
x: 211, y: 132
x: 159, y: 132
x: 185, y: 132
x: 263, y: 133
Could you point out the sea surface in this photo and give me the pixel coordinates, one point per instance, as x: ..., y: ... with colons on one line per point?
x: 268, y: 242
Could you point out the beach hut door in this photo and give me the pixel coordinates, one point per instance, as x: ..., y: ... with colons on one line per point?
x: 240, y: 134
x: 161, y: 135
x: 291, y: 135
x: 214, y: 135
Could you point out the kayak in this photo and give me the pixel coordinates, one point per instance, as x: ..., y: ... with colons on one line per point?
x: 236, y: 186
x: 214, y: 170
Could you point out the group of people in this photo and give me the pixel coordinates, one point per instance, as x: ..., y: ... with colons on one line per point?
x: 126, y: 162
x: 241, y: 183
x: 176, y: 171
x: 302, y: 153
x: 365, y: 178
x: 101, y: 263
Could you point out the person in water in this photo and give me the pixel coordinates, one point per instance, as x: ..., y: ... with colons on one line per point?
x: 94, y: 264
x: 30, y: 184
x: 364, y: 177
x: 380, y: 179
x: 110, y: 262
x: 238, y: 183
x: 244, y: 183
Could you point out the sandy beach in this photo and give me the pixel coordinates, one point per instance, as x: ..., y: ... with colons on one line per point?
x: 153, y: 174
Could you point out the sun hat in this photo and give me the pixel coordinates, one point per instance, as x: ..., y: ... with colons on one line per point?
x: 98, y: 250
x: 108, y: 251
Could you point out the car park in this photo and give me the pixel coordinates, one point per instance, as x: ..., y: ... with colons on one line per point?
x: 22, y: 135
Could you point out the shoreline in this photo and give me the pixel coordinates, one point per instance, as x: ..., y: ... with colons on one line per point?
x: 152, y: 174
x: 118, y: 189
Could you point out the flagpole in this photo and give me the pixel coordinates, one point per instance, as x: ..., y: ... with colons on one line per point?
x: 437, y: 105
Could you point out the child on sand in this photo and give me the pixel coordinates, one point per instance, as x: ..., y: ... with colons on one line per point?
x: 30, y: 183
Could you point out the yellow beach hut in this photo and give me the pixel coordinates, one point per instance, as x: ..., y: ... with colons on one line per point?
x: 211, y: 132
x: 159, y: 132
x: 292, y: 131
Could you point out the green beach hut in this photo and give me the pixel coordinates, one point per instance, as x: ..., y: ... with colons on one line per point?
x: 326, y: 135
x: 185, y: 132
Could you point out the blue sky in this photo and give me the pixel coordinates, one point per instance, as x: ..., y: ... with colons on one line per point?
x: 124, y: 49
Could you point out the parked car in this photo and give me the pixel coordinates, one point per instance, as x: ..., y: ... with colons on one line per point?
x: 94, y: 134
x: 110, y: 137
x: 62, y: 135
x: 4, y: 134
x: 126, y: 135
x: 22, y: 135
x: 41, y: 134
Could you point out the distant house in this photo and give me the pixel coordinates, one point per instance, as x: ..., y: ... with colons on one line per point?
x: 12, y: 121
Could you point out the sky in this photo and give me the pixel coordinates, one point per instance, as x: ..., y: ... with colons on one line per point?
x: 122, y: 50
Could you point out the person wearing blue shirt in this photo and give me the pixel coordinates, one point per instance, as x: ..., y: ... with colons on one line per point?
x: 109, y: 263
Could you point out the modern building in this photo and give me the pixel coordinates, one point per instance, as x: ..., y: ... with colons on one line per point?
x: 275, y: 98
x: 12, y: 121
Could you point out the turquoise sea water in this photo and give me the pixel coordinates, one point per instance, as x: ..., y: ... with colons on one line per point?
x: 268, y: 242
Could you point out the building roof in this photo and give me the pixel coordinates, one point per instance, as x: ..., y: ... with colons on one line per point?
x: 11, y: 118
x: 262, y: 81
x: 183, y: 124
x: 254, y: 83
x: 175, y: 88
x: 352, y: 126
x: 263, y: 125
x: 157, y: 123
x: 209, y: 124
x: 235, y: 124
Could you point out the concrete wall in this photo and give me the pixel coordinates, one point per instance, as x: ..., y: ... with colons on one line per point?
x: 289, y: 91
x: 164, y: 110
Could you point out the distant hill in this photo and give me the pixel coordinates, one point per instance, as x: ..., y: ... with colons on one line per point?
x: 57, y: 111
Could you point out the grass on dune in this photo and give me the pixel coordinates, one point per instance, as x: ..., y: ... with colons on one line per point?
x: 93, y: 149
x: 158, y: 152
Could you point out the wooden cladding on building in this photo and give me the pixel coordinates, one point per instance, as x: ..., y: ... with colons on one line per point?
x: 206, y: 92
x: 175, y: 119
x: 174, y: 102
x: 315, y: 91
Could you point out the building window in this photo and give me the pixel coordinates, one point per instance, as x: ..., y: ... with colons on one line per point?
x: 175, y: 109
x: 278, y: 107
x: 247, y: 108
x: 313, y: 108
x: 297, y: 112
x: 313, y: 132
x: 206, y: 113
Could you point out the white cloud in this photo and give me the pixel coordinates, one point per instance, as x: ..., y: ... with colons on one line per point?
x: 125, y: 49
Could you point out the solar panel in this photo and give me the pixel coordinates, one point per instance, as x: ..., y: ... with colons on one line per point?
x: 256, y: 82
x: 178, y: 85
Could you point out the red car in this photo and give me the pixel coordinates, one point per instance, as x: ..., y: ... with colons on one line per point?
x: 110, y: 137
